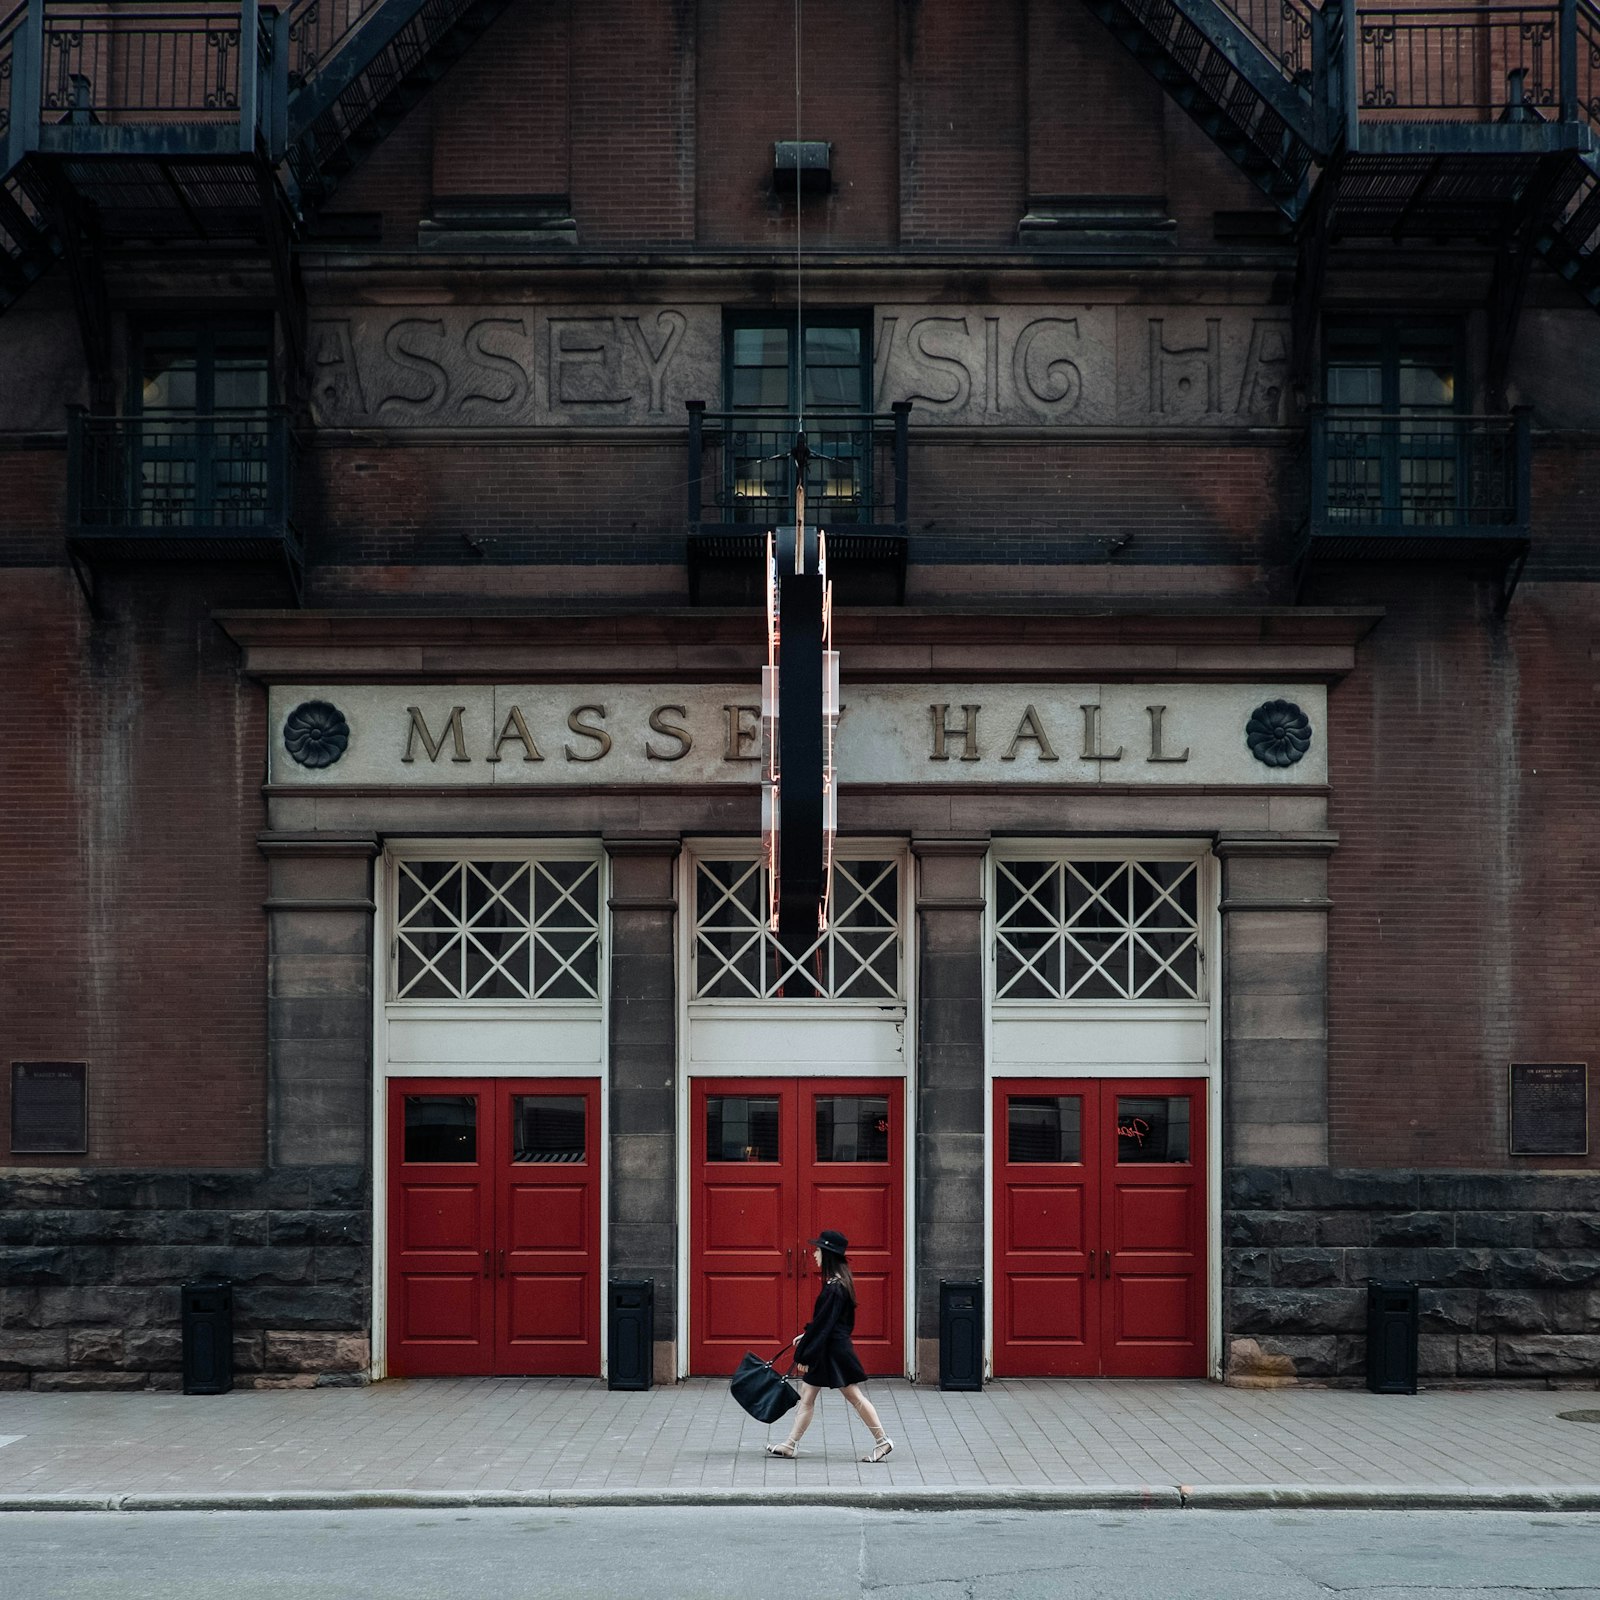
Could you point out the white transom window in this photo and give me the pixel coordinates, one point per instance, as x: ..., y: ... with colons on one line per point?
x: 857, y: 957
x: 523, y: 929
x: 1070, y: 929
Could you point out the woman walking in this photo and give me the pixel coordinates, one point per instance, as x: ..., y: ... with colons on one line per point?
x: 825, y: 1357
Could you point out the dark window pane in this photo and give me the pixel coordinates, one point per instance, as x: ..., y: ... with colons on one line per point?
x: 1154, y: 1128
x: 741, y: 1127
x: 1044, y: 1127
x: 852, y: 1127
x: 441, y: 1127
x: 548, y: 1128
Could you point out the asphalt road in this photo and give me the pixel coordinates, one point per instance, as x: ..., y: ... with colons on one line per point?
x: 789, y: 1553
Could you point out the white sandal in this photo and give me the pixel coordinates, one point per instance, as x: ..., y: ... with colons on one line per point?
x: 786, y: 1450
x: 881, y: 1451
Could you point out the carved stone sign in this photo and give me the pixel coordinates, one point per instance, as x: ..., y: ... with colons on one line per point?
x: 560, y: 735
x: 600, y: 366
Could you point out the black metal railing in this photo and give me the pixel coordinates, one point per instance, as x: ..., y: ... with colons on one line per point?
x: 741, y: 472
x: 1283, y: 28
x: 189, y: 63
x: 180, y: 476
x: 1418, y: 476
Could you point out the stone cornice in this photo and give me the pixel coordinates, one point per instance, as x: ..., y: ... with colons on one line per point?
x: 1088, y: 645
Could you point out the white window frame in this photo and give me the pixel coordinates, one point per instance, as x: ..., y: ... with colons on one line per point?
x: 595, y: 1012
x: 1207, y: 1011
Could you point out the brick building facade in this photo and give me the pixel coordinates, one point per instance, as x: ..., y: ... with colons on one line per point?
x: 1206, y: 400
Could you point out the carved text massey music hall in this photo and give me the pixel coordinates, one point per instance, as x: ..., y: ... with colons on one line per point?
x: 954, y: 733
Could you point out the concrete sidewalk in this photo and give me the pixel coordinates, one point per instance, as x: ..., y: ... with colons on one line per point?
x: 1020, y: 1442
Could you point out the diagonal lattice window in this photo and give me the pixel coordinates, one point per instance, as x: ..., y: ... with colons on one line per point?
x: 1097, y: 930
x: 736, y: 956
x: 498, y: 930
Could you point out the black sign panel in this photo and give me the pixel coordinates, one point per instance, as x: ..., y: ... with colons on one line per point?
x: 49, y: 1108
x: 1549, y: 1108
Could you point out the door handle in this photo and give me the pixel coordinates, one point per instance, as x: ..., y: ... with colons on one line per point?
x: 488, y: 1266
x: 1091, y: 1265
x: 502, y: 1263
x: 1105, y: 1263
x: 788, y: 1262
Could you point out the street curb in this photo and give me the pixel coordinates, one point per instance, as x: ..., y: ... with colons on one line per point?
x: 1077, y: 1497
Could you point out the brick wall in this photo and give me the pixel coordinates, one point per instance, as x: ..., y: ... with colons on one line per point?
x: 131, y: 931
x: 1466, y: 875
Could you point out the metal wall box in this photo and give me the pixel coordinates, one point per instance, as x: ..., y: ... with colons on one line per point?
x: 208, y: 1336
x: 1392, y: 1337
x: 808, y: 160
x: 960, y: 1334
x: 631, y: 1335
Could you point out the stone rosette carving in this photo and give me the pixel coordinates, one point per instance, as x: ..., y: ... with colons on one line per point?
x: 1278, y: 733
x: 316, y: 734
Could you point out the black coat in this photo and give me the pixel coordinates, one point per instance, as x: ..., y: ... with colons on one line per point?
x: 825, y: 1349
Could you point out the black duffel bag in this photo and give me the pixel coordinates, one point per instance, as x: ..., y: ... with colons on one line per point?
x: 761, y: 1389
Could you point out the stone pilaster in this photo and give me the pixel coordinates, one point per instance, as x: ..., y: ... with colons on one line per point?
x: 948, y: 1223
x: 1275, y: 999
x: 644, y: 1056
x: 319, y: 996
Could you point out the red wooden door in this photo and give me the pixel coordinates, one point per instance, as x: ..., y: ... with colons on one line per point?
x: 1047, y: 1187
x: 441, y: 1229
x: 744, y: 1219
x: 1153, y: 1229
x: 774, y: 1161
x: 547, y: 1217
x: 851, y: 1179
x: 494, y: 1227
x: 1099, y: 1228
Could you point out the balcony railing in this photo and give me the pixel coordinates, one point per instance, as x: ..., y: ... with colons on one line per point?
x: 1384, y: 484
x: 182, y: 485
x: 197, y: 77
x: 741, y: 484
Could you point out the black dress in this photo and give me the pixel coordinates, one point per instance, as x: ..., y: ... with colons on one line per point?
x: 825, y: 1349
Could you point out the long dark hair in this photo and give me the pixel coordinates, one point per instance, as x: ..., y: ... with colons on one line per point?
x: 835, y: 1269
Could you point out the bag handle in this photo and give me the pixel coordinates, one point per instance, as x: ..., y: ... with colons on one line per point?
x: 794, y: 1341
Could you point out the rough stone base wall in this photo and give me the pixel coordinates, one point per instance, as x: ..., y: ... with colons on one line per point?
x: 1508, y: 1265
x: 91, y: 1265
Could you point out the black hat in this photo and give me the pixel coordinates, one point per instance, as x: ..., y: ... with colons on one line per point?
x: 832, y: 1240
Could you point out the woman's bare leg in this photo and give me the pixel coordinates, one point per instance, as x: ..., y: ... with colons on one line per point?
x: 802, y: 1419
x: 867, y: 1412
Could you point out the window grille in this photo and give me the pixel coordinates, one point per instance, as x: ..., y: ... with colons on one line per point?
x: 737, y: 957
x: 497, y: 930
x: 1097, y: 930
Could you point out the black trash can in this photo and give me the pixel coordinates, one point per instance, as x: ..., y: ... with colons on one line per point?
x: 207, y: 1336
x: 631, y: 1335
x: 1392, y: 1337
x: 960, y: 1334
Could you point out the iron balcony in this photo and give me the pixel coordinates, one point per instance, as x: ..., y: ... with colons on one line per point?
x: 741, y: 484
x: 182, y: 486
x: 1390, y: 486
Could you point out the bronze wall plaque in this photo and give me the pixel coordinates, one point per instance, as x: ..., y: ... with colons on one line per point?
x: 1549, y: 1108
x: 49, y: 1108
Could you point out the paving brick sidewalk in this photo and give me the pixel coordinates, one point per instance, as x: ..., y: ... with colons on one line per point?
x: 474, y: 1435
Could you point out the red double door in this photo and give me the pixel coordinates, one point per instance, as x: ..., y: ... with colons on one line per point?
x: 494, y: 1227
x: 773, y: 1162
x: 1100, y: 1228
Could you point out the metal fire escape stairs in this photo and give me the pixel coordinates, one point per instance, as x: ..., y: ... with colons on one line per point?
x: 225, y: 122
x: 1417, y: 121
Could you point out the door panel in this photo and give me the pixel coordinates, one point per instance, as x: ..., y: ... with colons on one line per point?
x: 1099, y: 1227
x: 774, y: 1161
x: 548, y: 1219
x: 1046, y: 1172
x: 1153, y: 1226
x: 851, y: 1180
x: 743, y: 1220
x: 441, y: 1294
